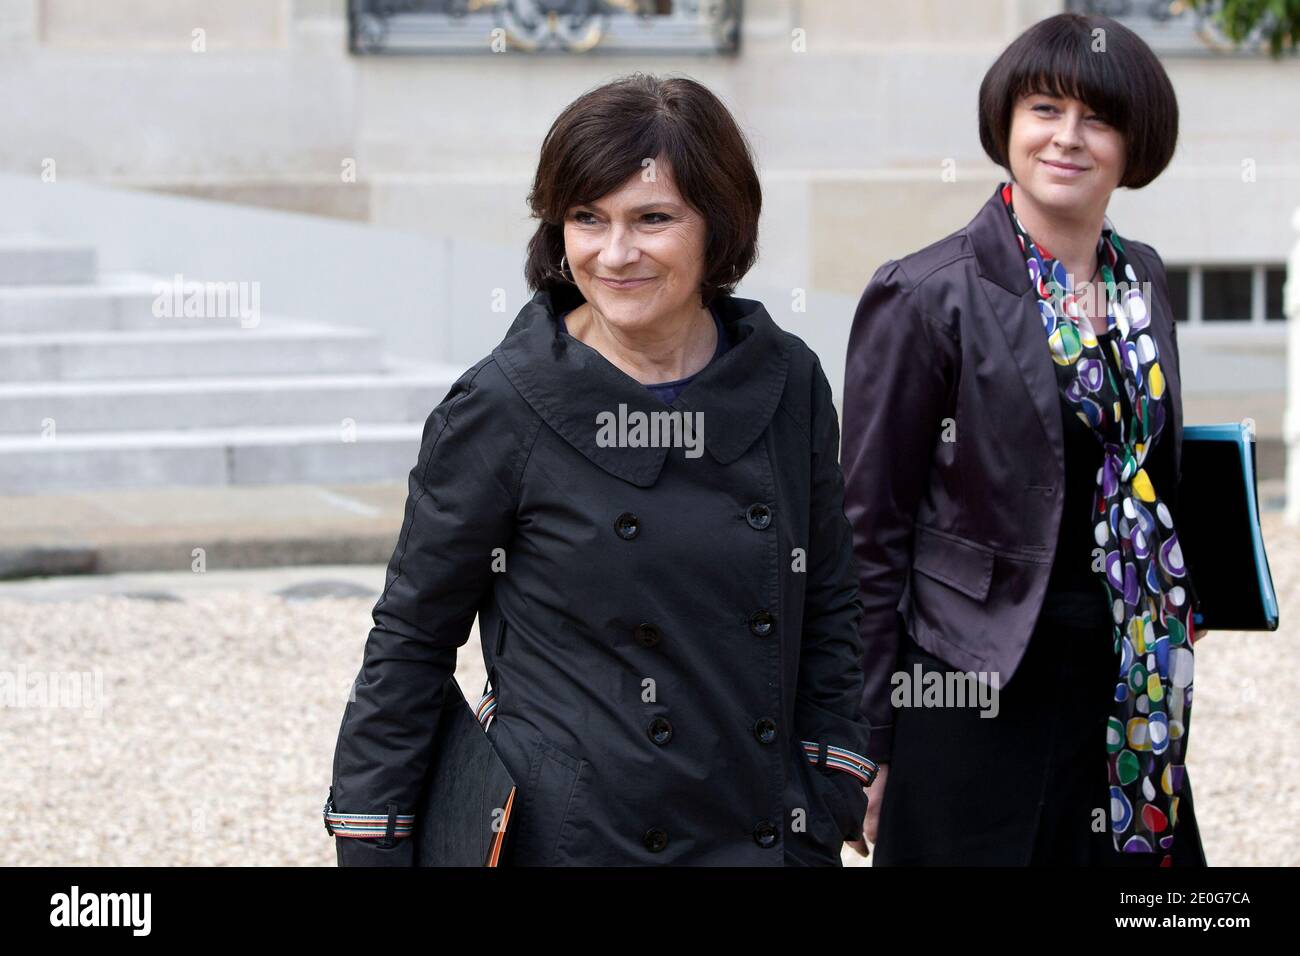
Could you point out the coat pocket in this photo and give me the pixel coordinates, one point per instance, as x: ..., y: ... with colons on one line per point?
x: 552, y: 798
x: 960, y: 564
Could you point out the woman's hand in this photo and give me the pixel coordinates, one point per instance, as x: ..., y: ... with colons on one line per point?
x: 875, y: 797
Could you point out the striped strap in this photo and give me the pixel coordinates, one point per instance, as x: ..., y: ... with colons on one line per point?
x: 368, y: 825
x: 838, y: 758
x: 487, y: 706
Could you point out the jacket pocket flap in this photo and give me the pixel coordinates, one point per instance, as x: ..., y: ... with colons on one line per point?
x: 958, y: 563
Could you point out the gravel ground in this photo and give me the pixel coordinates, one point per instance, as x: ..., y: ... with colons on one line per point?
x: 196, y: 725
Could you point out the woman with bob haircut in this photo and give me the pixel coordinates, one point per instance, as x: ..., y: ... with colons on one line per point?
x: 638, y: 493
x: 1012, y: 433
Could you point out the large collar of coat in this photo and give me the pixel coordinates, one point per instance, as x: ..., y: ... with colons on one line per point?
x: 567, y: 383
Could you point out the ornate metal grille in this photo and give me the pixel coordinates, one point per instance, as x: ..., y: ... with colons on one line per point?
x: 544, y: 26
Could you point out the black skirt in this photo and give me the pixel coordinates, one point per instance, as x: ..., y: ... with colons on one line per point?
x: 1027, y: 786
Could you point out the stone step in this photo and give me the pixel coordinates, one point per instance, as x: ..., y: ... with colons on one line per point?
x: 159, y: 404
x: 112, y: 302
x: 270, y: 348
x: 208, y: 456
x: 29, y: 260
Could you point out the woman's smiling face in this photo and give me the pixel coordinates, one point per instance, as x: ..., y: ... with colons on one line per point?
x: 637, y: 253
x: 1063, y: 153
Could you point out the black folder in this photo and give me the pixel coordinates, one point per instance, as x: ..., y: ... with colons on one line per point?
x: 1218, y: 528
x: 465, y: 807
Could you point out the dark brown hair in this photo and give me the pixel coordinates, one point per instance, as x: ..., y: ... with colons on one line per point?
x: 603, y: 137
x: 1124, y: 83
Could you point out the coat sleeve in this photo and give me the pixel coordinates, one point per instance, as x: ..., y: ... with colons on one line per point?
x: 833, y: 734
x: 460, y: 506
x: 899, y: 376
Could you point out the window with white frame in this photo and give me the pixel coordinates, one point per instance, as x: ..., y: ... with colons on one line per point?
x: 1212, y: 294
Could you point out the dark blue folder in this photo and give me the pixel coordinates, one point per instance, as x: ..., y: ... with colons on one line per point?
x: 1217, y: 519
x: 468, y: 797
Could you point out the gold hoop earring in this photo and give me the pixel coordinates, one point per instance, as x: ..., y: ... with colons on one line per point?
x: 563, y: 263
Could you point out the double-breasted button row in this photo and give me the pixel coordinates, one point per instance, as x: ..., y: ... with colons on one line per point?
x: 758, y: 515
x: 765, y: 835
x: 660, y: 730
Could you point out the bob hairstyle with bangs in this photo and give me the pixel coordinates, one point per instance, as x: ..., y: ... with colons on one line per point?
x: 604, y: 136
x: 1099, y: 62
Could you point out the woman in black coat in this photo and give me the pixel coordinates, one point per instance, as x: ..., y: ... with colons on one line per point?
x: 1013, y: 425
x: 638, y: 494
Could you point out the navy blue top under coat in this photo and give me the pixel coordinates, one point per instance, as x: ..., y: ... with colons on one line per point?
x: 667, y: 392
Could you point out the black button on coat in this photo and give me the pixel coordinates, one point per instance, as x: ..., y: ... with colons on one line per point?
x: 642, y: 609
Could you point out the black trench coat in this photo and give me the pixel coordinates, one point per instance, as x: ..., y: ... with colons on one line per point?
x: 670, y: 625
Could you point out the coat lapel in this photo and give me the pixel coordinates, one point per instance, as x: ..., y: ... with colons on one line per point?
x: 567, y: 383
x: 1005, y: 279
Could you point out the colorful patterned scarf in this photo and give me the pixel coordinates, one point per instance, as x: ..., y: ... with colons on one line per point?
x: 1146, y: 581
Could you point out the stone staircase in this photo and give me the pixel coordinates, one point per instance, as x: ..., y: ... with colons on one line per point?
x: 96, y: 391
